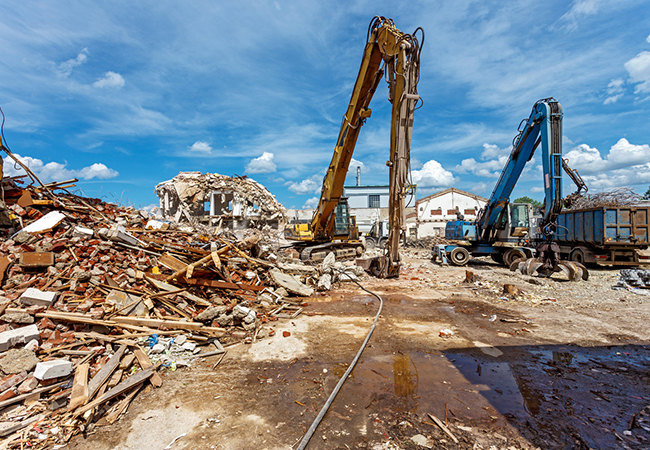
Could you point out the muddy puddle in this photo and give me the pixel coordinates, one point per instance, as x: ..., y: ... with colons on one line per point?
x: 556, y: 397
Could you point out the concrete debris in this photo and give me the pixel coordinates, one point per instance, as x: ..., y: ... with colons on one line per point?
x: 54, y: 368
x: 111, y: 272
x: 18, y: 336
x: 291, y: 283
x: 34, y: 296
x: 18, y: 360
x: 632, y: 280
x: 235, y: 202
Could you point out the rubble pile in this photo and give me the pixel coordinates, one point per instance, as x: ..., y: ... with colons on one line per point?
x: 231, y: 198
x: 426, y: 242
x: 612, y: 198
x: 96, y: 299
x: 633, y: 279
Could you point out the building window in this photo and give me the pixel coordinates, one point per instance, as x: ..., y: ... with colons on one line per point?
x: 470, y: 212
x: 451, y: 212
x: 374, y: 201
x: 436, y: 212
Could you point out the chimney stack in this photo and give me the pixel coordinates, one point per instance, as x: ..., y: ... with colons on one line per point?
x: 358, y: 175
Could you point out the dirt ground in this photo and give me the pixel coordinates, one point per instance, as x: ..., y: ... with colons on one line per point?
x: 559, y: 366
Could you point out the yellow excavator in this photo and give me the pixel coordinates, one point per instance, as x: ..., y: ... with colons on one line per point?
x: 395, y: 55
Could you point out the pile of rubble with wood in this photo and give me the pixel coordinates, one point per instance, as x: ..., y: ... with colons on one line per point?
x: 96, y: 300
x: 235, y: 202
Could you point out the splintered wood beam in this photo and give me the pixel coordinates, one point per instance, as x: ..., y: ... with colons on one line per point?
x: 105, y: 372
x: 223, y: 284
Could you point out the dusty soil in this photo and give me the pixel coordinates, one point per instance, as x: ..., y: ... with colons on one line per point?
x: 559, y: 366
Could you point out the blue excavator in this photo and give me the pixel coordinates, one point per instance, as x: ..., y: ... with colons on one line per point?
x: 509, y: 232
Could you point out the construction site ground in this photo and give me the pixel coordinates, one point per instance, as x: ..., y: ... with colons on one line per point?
x: 559, y: 365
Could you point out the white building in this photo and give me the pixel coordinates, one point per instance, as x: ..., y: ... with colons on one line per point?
x: 368, y: 204
x: 435, y: 210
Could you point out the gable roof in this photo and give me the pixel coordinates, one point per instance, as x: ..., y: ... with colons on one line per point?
x: 452, y: 190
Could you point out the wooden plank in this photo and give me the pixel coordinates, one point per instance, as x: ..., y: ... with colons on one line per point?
x: 36, y: 259
x: 25, y: 199
x: 157, y: 323
x: 169, y: 324
x: 4, y: 263
x: 223, y: 284
x: 145, y: 363
x: 121, y: 407
x: 443, y: 427
x: 170, y: 262
x: 124, y: 386
x: 43, y: 202
x: 158, y: 281
x: 79, y: 394
x: 19, y: 398
x: 105, y: 372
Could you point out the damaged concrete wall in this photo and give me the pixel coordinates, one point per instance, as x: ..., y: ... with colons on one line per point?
x: 233, y: 202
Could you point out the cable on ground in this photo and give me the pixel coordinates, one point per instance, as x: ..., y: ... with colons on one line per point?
x: 323, y: 411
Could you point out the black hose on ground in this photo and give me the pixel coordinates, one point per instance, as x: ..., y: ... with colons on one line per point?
x: 323, y: 411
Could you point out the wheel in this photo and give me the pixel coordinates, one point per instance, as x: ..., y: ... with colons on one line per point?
x: 497, y: 257
x: 371, y: 244
x: 577, y: 255
x: 512, y: 255
x: 382, y: 242
x: 459, y: 256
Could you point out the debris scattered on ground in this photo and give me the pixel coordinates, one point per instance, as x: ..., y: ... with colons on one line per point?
x: 97, y: 299
x: 635, y: 280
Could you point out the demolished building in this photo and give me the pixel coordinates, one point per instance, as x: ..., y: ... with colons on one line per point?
x: 230, y: 202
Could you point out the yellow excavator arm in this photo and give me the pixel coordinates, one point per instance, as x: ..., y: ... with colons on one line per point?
x: 388, y: 51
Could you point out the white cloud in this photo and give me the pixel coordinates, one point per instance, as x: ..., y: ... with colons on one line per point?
x: 639, y: 70
x: 615, y: 90
x: 494, y: 159
x: 262, y: 164
x: 648, y: 39
x: 200, y: 147
x: 622, y: 155
x: 481, y: 187
x: 354, y: 163
x: 432, y: 174
x: 307, y: 186
x: 54, y: 171
x: 579, y: 9
x: 311, y: 203
x: 625, y: 165
x: 536, y: 189
x: 65, y: 68
x: 110, y: 80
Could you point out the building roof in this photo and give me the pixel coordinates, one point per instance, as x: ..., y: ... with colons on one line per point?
x: 452, y: 190
x: 364, y: 186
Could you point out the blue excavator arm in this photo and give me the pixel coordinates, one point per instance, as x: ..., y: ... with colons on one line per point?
x: 544, y: 126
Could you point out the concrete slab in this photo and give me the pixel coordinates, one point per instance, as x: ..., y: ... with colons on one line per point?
x: 21, y: 335
x: 34, y: 296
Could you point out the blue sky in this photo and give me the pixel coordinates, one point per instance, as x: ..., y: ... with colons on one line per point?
x: 124, y: 95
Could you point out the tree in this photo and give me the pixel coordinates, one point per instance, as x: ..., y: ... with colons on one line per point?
x: 646, y: 196
x: 535, y: 203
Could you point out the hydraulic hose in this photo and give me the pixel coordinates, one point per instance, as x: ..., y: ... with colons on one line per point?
x: 323, y: 411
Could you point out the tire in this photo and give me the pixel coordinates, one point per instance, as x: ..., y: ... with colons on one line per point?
x: 382, y: 242
x: 459, y: 256
x: 497, y: 257
x: 371, y: 244
x: 512, y: 255
x: 577, y: 255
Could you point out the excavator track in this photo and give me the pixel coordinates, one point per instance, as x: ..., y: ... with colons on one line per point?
x: 342, y: 251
